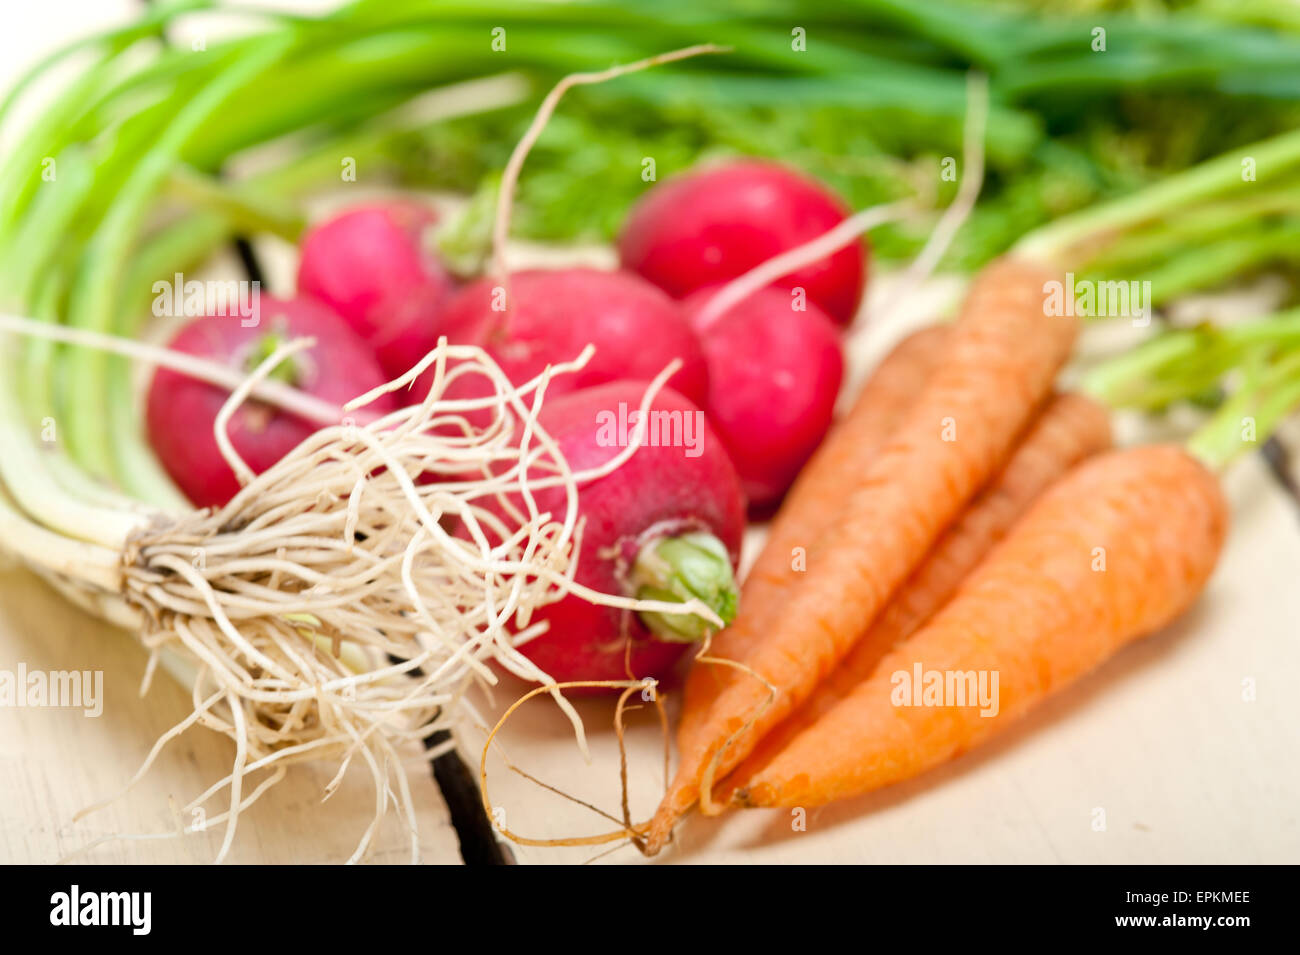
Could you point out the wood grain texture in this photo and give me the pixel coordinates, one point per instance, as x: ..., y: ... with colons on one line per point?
x: 54, y: 762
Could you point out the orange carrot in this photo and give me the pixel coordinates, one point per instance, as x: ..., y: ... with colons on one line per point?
x: 998, y: 366
x: 1116, y: 549
x: 1071, y: 428
x: 814, y: 504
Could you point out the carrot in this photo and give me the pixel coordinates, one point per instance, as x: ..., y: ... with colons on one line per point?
x: 1116, y: 549
x: 812, y: 505
x: 998, y: 367
x: 1070, y: 429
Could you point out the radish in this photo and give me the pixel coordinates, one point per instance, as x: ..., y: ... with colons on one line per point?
x: 774, y: 374
x: 181, y: 410
x: 667, y: 525
x: 552, y: 314
x: 718, y: 222
x: 376, y: 267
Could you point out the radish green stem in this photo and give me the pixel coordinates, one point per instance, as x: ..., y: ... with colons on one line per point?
x: 464, y: 242
x: 271, y: 343
x: 273, y: 360
x: 690, y: 566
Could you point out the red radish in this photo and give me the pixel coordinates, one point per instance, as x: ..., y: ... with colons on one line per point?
x: 666, y: 525
x: 375, y: 267
x: 554, y: 313
x: 716, y: 223
x: 181, y: 410
x: 774, y: 374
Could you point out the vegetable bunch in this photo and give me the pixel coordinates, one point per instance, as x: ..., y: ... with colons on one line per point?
x: 975, y: 540
x: 406, y: 488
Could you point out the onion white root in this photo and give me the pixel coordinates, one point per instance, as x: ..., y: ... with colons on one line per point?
x: 340, y: 605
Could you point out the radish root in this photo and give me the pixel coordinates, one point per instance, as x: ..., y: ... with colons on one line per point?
x: 515, y: 164
x: 955, y: 216
x: 327, y: 611
x: 633, y: 832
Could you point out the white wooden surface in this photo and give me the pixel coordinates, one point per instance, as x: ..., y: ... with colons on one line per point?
x: 55, y: 762
x: 1161, y: 739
